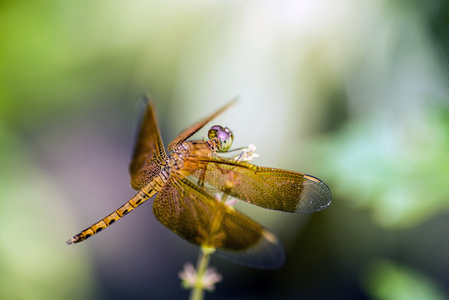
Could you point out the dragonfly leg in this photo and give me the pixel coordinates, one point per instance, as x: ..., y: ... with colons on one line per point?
x: 202, y: 179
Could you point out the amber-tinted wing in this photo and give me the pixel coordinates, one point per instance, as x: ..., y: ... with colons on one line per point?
x: 266, y: 187
x: 149, y: 153
x: 193, y: 129
x: 199, y: 218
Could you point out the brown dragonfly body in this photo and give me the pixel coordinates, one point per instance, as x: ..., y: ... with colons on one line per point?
x: 185, y: 180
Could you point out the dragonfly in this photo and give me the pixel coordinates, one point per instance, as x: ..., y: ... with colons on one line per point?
x: 187, y: 179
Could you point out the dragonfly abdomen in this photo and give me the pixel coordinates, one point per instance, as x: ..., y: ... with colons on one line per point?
x: 143, y: 195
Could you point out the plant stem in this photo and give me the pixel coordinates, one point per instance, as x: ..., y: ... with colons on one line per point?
x: 202, y: 263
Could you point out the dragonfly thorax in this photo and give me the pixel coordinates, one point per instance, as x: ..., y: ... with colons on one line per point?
x: 176, y: 158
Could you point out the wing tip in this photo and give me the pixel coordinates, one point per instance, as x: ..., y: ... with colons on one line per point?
x: 267, y: 254
x: 325, y: 193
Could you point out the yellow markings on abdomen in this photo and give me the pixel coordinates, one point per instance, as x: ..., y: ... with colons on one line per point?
x: 143, y: 195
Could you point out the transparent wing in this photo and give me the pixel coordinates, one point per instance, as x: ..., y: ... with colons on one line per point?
x: 265, y: 187
x: 192, y: 130
x: 149, y: 153
x: 199, y: 218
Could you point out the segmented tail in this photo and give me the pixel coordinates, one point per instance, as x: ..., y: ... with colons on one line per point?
x: 135, y: 201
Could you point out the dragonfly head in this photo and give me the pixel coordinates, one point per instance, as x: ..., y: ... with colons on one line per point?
x: 224, y: 137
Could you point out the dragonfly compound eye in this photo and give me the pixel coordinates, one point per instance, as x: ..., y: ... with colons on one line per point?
x: 224, y: 136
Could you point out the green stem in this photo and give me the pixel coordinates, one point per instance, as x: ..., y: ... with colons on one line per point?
x: 224, y: 197
x: 203, y: 261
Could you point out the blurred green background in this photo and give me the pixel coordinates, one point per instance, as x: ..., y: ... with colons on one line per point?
x: 353, y: 92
